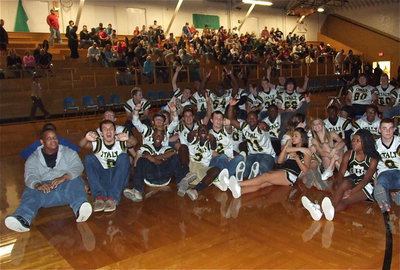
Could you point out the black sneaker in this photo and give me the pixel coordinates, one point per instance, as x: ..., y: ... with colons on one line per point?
x: 17, y: 223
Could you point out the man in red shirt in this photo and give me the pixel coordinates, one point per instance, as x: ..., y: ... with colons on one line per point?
x: 52, y: 21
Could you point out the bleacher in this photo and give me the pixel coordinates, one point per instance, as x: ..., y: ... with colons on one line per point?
x: 75, y: 78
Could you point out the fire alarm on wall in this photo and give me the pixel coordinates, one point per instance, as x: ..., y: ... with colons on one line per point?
x: 380, y: 54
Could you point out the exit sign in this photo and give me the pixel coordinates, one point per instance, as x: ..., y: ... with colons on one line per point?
x: 380, y: 54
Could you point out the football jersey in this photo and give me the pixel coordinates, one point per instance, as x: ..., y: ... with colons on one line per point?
x: 242, y: 93
x: 130, y: 106
x: 147, y: 132
x: 339, y: 127
x: 183, y: 131
x: 108, y: 154
x: 253, y: 101
x: 257, y: 139
x: 390, y: 155
x: 180, y: 104
x: 237, y: 137
x: 274, y: 127
x: 267, y: 99
x: 152, y: 150
x: 363, y: 123
x: 200, y: 152
x: 384, y: 94
x: 357, y: 169
x: 224, y: 142
x: 396, y: 95
x: 280, y: 89
x: 199, y: 101
x: 290, y: 101
x: 220, y: 103
x: 361, y: 95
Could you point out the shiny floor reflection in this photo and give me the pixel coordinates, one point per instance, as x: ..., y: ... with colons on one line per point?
x: 266, y: 229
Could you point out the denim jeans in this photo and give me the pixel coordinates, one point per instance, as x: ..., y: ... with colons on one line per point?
x: 158, y: 174
x: 266, y: 163
x: 389, y: 180
x: 389, y: 113
x: 222, y: 162
x: 107, y: 182
x: 71, y: 192
x: 54, y: 32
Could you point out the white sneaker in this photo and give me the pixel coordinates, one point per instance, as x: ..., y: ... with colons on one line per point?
x: 328, y: 209
x: 223, y: 179
x: 110, y: 205
x: 98, y: 205
x: 254, y: 170
x: 313, y: 208
x: 192, y: 193
x: 234, y: 187
x: 326, y: 174
x: 84, y: 212
x: 17, y: 223
x: 133, y: 194
x: 240, y: 170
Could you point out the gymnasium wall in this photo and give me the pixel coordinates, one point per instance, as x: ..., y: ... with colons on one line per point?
x: 365, y: 39
x: 125, y: 15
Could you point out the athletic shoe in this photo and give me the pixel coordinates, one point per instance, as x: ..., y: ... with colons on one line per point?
x: 254, y: 170
x: 234, y: 187
x: 84, y: 212
x: 240, y: 170
x: 110, y: 205
x: 192, y: 193
x: 98, y: 205
x: 221, y: 181
x: 313, y: 208
x: 183, y: 185
x: 396, y: 197
x: 244, y: 155
x: 326, y: 174
x: 133, y: 194
x: 328, y: 209
x: 17, y: 223
x: 381, y: 198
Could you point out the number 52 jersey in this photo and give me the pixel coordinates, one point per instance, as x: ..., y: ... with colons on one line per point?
x: 390, y: 155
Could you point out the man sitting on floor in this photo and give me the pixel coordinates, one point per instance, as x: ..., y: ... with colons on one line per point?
x: 108, y: 167
x: 53, y: 178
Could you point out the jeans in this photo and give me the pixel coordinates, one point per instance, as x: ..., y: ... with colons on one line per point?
x: 221, y: 161
x: 266, y: 163
x: 107, y: 183
x: 71, y: 192
x: 54, y: 32
x: 389, y: 113
x: 158, y: 174
x: 389, y: 180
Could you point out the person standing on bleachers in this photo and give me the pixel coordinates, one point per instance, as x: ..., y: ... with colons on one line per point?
x: 52, y: 21
x: 3, y: 37
x: 36, y: 96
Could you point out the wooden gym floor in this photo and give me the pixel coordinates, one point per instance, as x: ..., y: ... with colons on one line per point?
x: 268, y: 229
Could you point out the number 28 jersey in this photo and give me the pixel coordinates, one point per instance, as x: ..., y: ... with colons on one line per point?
x: 390, y: 155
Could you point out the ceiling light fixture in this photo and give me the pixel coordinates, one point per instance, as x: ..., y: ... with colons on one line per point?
x: 320, y: 9
x: 263, y: 3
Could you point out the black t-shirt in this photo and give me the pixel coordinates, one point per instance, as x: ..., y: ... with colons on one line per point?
x: 50, y: 159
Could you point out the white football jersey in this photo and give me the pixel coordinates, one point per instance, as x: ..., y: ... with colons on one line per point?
x: 339, y: 127
x: 390, y: 155
x: 130, y: 106
x: 361, y: 95
x: 220, y: 103
x: 237, y: 137
x: 224, y: 142
x: 258, y: 140
x: 199, y: 101
x: 290, y: 101
x: 108, y: 154
x: 363, y: 123
x: 396, y: 95
x: 267, y: 99
x: 183, y: 131
x: 384, y: 95
x: 274, y: 127
x: 200, y: 152
x: 149, y: 148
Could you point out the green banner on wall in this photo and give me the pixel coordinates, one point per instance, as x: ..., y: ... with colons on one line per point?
x: 200, y: 20
x: 21, y: 20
